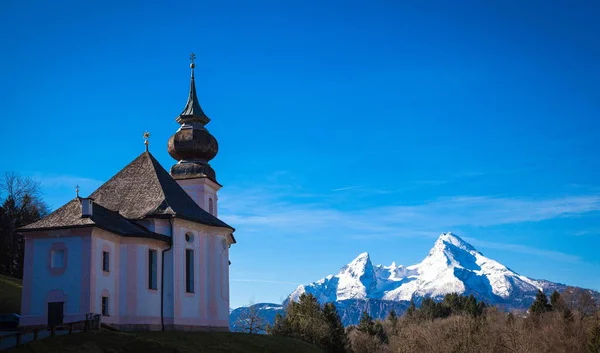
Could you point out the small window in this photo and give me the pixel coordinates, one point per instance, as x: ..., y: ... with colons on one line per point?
x: 210, y: 206
x: 57, y: 259
x: 189, y: 270
x: 105, y: 261
x: 189, y: 237
x: 152, y: 266
x: 105, y: 306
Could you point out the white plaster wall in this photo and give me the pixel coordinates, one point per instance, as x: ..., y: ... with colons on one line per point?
x: 42, y: 282
x: 209, y: 304
x: 162, y: 226
x: 106, y: 281
x: 200, y: 190
x: 169, y: 301
x: 156, y: 225
x: 123, y: 280
x: 190, y: 302
x: 148, y: 301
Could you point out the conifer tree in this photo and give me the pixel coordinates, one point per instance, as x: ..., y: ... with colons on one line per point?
x: 412, y: 308
x: 393, y: 317
x: 540, y: 305
x: 337, y: 341
x: 555, y: 301
x: 366, y: 324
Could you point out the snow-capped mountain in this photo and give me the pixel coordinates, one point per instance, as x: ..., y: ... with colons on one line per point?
x: 452, y: 266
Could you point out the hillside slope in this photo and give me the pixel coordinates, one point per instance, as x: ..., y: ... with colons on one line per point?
x: 163, y: 342
x: 10, y: 295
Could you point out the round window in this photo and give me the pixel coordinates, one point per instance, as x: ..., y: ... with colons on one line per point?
x: 189, y: 237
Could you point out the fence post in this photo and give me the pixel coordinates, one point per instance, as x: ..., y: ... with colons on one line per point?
x: 70, y: 328
x: 18, y: 339
x: 52, y: 331
x: 35, y: 333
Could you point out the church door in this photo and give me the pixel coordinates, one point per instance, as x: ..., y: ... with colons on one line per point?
x: 55, y: 313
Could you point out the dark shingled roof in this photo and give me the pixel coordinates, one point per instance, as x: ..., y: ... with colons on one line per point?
x: 142, y: 189
x: 69, y: 216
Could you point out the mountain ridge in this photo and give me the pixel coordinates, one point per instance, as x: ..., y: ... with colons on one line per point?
x: 451, y: 266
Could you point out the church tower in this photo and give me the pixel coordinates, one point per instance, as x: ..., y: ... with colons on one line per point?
x: 193, y: 147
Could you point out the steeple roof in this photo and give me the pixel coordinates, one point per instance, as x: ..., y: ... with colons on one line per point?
x: 142, y: 189
x: 192, y: 110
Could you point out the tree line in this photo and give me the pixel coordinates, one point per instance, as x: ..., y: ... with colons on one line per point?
x: 565, y: 322
x: 21, y: 203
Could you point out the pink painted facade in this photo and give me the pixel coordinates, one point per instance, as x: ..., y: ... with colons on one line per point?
x: 67, y: 266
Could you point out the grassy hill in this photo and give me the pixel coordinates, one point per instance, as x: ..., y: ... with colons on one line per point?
x: 159, y: 342
x: 10, y: 295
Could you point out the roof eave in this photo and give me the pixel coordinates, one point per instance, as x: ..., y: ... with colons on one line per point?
x: 38, y: 229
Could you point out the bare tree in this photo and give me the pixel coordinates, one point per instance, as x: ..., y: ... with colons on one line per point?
x: 579, y: 299
x: 20, y: 204
x: 250, y: 321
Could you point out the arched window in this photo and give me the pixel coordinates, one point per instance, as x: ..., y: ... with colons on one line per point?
x: 210, y: 206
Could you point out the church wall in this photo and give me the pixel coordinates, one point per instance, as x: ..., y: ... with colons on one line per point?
x: 162, y: 226
x: 208, y: 306
x: 202, y: 191
x: 44, y: 281
x: 134, y: 304
x: 169, y: 302
x: 106, y: 283
x: 156, y: 225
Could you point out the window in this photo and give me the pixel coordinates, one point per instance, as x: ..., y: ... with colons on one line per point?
x: 189, y: 270
x: 57, y: 259
x: 105, y: 261
x: 210, y: 206
x: 104, y: 306
x: 152, y: 265
x: 189, y: 237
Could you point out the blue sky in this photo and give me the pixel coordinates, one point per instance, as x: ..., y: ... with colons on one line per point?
x: 344, y: 126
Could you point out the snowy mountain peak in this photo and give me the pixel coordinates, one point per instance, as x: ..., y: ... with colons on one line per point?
x: 452, y: 266
x: 449, y: 238
x: 359, y: 266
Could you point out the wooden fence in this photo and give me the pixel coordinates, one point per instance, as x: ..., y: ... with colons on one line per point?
x: 91, y: 323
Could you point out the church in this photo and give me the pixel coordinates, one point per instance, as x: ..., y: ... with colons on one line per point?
x: 146, y: 250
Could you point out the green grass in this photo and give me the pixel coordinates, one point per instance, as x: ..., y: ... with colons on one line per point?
x: 159, y: 342
x: 10, y: 295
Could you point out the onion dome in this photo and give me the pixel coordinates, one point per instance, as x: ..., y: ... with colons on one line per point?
x: 192, y: 145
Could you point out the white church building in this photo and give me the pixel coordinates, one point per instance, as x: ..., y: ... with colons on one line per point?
x: 145, y: 250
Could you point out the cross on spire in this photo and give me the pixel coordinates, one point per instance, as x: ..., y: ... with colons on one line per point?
x: 77, y: 190
x: 192, y: 110
x: 192, y: 65
x: 146, y: 137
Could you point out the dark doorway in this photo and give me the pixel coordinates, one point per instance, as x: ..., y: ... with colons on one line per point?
x: 55, y: 313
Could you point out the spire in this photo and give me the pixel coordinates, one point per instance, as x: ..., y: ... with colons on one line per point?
x: 192, y: 111
x: 192, y: 146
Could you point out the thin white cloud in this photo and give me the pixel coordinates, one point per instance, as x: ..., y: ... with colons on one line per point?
x: 271, y: 214
x: 262, y: 209
x: 524, y: 250
x: 347, y: 188
x: 55, y: 181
